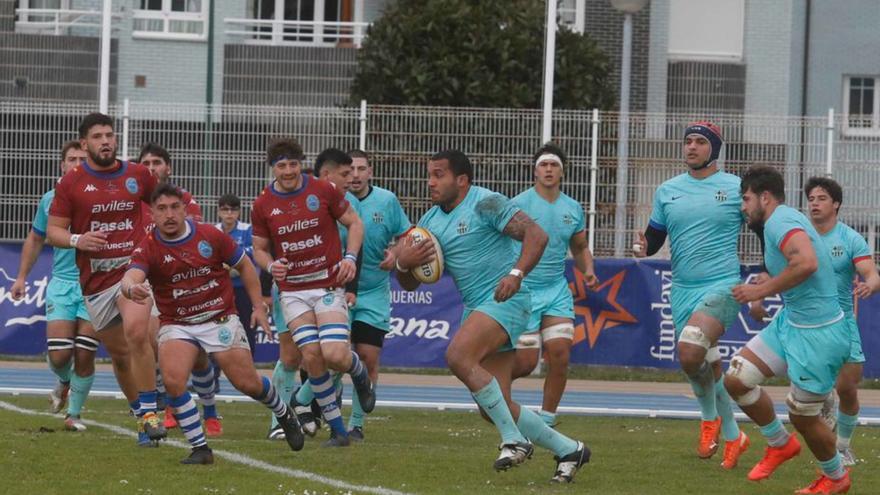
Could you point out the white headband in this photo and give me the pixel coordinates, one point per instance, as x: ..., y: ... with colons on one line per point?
x: 549, y: 157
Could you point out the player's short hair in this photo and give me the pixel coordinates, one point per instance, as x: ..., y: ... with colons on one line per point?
x: 761, y: 178
x: 358, y: 153
x: 284, y: 148
x: 91, y: 120
x: 67, y: 146
x: 829, y: 185
x: 229, y: 200
x: 459, y: 163
x: 155, y: 149
x: 166, y: 189
x: 331, y: 158
x: 551, y: 147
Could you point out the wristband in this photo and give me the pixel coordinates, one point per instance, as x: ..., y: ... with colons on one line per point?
x: 129, y: 292
x: 516, y: 272
x: 269, y: 267
x: 352, y: 257
x: 398, y: 267
x: 74, y: 238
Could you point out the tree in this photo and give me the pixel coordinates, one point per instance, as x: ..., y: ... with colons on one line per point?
x: 476, y: 53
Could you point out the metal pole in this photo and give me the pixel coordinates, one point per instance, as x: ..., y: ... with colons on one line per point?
x: 623, y: 141
x: 829, y: 148
x: 362, y: 138
x: 594, y: 170
x: 549, y: 67
x: 104, y: 86
x: 125, y: 117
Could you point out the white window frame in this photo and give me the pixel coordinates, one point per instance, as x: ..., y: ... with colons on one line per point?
x: 166, y: 15
x: 874, y: 130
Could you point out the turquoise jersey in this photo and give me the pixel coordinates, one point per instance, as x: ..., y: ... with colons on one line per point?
x: 561, y: 220
x: 343, y: 231
x: 702, y: 218
x: 813, y: 302
x: 63, y: 260
x: 847, y: 247
x: 384, y: 220
x: 475, y: 251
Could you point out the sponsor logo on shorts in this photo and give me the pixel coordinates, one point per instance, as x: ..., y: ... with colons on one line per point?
x: 205, y: 249
x: 312, y: 202
x: 225, y: 336
x: 131, y: 185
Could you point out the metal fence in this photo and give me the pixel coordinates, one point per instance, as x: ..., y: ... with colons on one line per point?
x: 219, y: 149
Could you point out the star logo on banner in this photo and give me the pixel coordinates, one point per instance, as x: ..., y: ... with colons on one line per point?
x: 610, y: 314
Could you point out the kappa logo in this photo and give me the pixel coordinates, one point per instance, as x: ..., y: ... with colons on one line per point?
x: 275, y: 211
x: 90, y: 188
x: 168, y: 259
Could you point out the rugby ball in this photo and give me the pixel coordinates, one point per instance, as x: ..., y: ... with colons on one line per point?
x: 427, y: 273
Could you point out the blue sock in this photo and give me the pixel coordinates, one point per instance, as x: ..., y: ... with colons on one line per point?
x: 846, y: 425
x: 357, y: 371
x: 547, y: 417
x: 187, y: 415
x: 203, y: 384
x: 269, y: 397
x: 833, y: 468
x: 135, y: 407
x: 703, y: 385
x: 535, y: 429
x: 325, y: 394
x: 284, y: 381
x: 305, y: 395
x: 148, y: 402
x: 79, y: 390
x: 492, y: 401
x: 729, y: 428
x: 775, y: 433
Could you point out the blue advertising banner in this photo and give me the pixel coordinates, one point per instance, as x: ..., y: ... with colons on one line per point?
x: 627, y: 321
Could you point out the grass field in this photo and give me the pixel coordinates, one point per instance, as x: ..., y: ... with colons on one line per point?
x: 406, y: 451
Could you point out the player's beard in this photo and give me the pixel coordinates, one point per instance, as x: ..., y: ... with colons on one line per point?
x: 102, y: 162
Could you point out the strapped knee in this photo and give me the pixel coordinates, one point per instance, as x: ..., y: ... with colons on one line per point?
x: 86, y: 343
x: 59, y: 344
x: 803, y: 403
x: 558, y: 331
x: 694, y: 335
x: 305, y: 334
x: 750, y: 376
x: 529, y: 341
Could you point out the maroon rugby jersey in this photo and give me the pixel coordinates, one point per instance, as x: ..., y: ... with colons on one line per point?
x: 193, y: 210
x: 104, y: 201
x: 189, y: 281
x: 301, y: 226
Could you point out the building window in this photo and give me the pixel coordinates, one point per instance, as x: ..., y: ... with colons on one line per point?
x: 171, y: 19
x: 307, y: 21
x: 861, y: 105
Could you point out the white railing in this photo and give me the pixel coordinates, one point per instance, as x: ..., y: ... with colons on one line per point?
x: 59, y: 21
x: 303, y: 33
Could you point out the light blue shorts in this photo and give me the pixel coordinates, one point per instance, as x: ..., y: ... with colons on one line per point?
x: 715, y: 300
x: 512, y: 314
x: 373, y: 307
x: 550, y: 300
x: 64, y: 301
x: 812, y: 356
x: 856, y: 354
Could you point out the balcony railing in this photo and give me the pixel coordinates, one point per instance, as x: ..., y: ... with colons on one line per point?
x: 61, y: 21
x: 303, y: 33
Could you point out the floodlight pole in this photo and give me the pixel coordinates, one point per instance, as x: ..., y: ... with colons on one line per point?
x: 549, y: 67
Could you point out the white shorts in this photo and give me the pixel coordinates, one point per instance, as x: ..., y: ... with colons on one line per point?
x: 296, y: 303
x: 212, y: 336
x: 533, y: 340
x: 102, y: 306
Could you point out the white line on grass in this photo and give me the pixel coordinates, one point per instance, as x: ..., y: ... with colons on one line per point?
x: 229, y: 456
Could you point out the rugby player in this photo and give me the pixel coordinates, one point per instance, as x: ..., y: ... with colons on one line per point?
x: 700, y: 212
x: 97, y: 211
x: 184, y: 262
x: 475, y: 228
x: 809, y: 340
x: 551, y: 325
x: 70, y: 338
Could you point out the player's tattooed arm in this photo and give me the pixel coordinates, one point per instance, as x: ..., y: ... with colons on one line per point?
x: 533, y: 238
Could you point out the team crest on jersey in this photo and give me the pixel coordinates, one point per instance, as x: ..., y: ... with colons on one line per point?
x: 378, y: 218
x: 131, y: 184
x: 312, y: 202
x: 567, y: 219
x: 225, y: 336
x: 720, y: 196
x: 205, y: 249
x: 462, y: 227
x: 837, y: 251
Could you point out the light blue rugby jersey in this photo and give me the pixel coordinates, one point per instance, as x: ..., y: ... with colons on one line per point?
x: 847, y: 247
x: 343, y: 231
x: 813, y: 302
x: 475, y: 251
x: 702, y: 218
x: 561, y: 220
x: 63, y: 260
x: 384, y: 219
